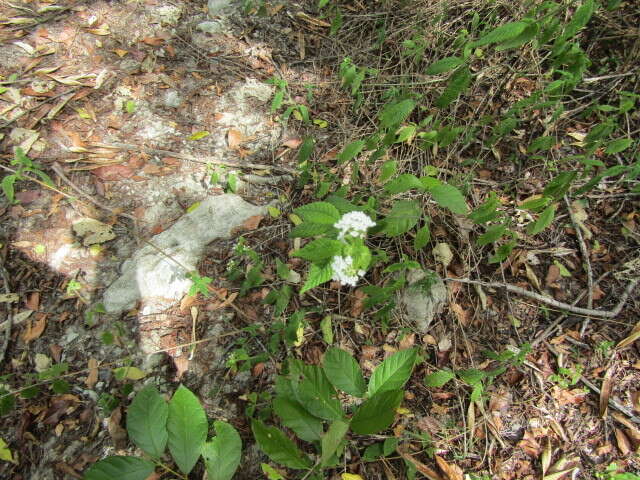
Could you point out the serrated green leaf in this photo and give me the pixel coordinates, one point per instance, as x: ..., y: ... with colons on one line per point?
x: 222, y: 453
x: 187, y: 426
x: 8, y: 187
x: 471, y: 376
x: 458, y: 83
x: 306, y: 230
x: 317, y: 276
x: 403, y: 183
x: 503, y: 252
x: 487, y: 211
x: 501, y: 34
x: 439, y: 378
x: 541, y: 143
x: 351, y: 151
x: 444, y: 65
x: 423, y: 235
x: 543, y: 221
x: 557, y: 187
x: 317, y: 394
x: 492, y: 234
x: 121, y: 468
x: 326, y: 329
x: 343, y: 205
x: 476, y: 392
x: 393, y: 372
x: 393, y: 114
x: 331, y: 440
x: 344, y: 372
x: 294, y: 416
x: 318, y: 212
x: 619, y: 145
x: 449, y: 197
x: 388, y: 170
x: 278, y: 98
x: 277, y: 446
x: 319, y: 250
x: 377, y: 413
x: 147, y: 421
x: 526, y: 36
x: 579, y: 19
x: 306, y: 149
x: 404, y: 215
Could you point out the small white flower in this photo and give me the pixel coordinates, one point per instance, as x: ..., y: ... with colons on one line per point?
x: 344, y: 272
x: 354, y: 224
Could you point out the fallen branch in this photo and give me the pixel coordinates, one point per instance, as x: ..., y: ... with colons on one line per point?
x: 190, y: 158
x: 8, y: 323
x: 589, y: 312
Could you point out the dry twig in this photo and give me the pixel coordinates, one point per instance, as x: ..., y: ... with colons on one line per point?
x: 555, y: 303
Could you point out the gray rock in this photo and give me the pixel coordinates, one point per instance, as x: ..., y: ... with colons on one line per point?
x: 423, y: 298
x: 217, y: 6
x: 211, y: 27
x: 149, y: 275
x: 173, y: 99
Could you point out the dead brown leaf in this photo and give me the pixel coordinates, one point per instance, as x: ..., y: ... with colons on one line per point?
x: 605, y: 392
x: 553, y: 274
x: 292, y: 142
x: 421, y: 467
x: 462, y: 315
x: 33, y: 301
x: 357, y: 303
x: 452, y: 471
x: 117, y: 433
x: 92, y: 378
x: 35, y: 328
x: 624, y: 445
x: 407, y: 341
x: 235, y: 138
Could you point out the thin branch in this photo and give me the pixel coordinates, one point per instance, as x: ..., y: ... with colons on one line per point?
x: 203, y: 160
x: 555, y: 303
x: 9, y: 322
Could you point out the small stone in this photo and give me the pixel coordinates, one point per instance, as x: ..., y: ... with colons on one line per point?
x: 424, y: 297
x: 211, y: 27
x: 172, y: 99
x: 216, y: 7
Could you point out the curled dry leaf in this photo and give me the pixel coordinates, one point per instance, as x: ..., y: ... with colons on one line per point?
x: 92, y: 378
x: 235, y: 138
x: 452, y: 471
x: 605, y: 392
x: 421, y: 467
x: 35, y: 329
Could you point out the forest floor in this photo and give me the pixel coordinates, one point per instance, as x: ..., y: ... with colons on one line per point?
x: 137, y: 110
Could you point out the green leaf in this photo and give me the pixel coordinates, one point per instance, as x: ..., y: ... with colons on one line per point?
x: 487, y: 211
x: 423, y: 235
x: 331, y: 440
x: 278, y: 98
x: 444, y: 65
x: 198, y: 135
x: 439, y: 378
x: 8, y: 187
x: 403, y: 183
x: 294, y: 416
x: 306, y: 230
x: 449, y: 197
x: 319, y: 250
x: 458, y: 83
x: 472, y: 376
x: 501, y: 34
x: 619, y: 145
x: 492, y: 234
x: 404, y: 215
x: 388, y: 170
x: 130, y: 106
x: 393, y: 372
x: 343, y: 205
x: 476, y: 392
x: 557, y: 187
x: 317, y: 276
x: 147, y: 421
x: 393, y: 114
x: 120, y: 468
x: 543, y: 221
x: 536, y: 204
x: 270, y: 472
x: 377, y: 413
x: 222, y: 453
x: 306, y: 149
x: 326, y: 329
x: 187, y: 426
x: 318, y: 212
x: 351, y: 151
x: 277, y: 446
x: 503, y: 252
x: 579, y: 19
x: 318, y: 395
x: 541, y: 143
x: 344, y: 372
x: 526, y: 36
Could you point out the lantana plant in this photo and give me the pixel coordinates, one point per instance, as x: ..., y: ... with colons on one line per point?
x: 339, y: 252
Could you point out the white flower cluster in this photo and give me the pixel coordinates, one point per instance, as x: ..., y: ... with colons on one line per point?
x: 354, y: 224
x: 344, y: 272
